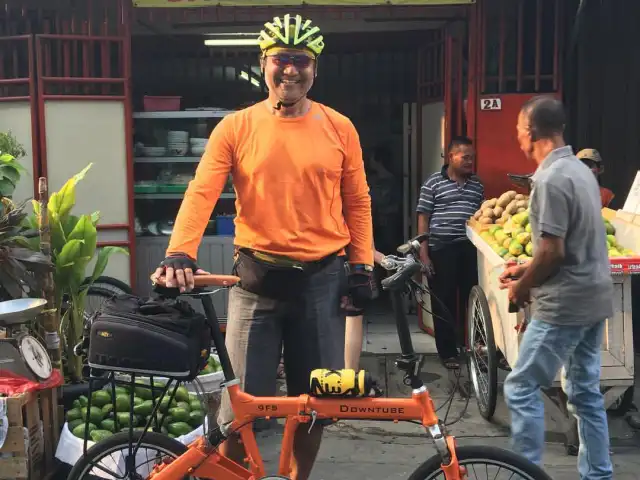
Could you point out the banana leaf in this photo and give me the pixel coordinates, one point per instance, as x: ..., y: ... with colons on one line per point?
x: 68, y: 223
x: 58, y: 239
x: 103, y: 258
x: 62, y: 201
x: 85, y: 230
x: 69, y: 254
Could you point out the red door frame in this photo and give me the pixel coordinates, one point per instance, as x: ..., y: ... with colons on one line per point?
x: 10, y: 47
x: 527, y: 83
x: 440, y: 79
x: 70, y: 75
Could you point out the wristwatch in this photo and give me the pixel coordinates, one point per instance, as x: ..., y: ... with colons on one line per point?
x: 360, y: 268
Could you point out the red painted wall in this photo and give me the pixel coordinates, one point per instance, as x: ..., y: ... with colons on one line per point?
x: 498, y: 152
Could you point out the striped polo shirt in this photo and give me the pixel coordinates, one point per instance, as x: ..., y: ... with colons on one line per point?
x: 449, y: 205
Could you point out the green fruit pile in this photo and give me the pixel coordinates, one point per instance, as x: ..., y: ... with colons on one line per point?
x: 183, y: 415
x: 212, y: 366
x: 614, y: 248
x: 512, y: 240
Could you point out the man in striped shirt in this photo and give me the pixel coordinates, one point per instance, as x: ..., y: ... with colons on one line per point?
x: 447, y: 199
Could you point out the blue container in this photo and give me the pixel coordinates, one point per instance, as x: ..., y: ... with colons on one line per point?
x: 225, y: 225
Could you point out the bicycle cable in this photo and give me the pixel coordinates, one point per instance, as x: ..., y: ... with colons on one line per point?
x: 415, y: 287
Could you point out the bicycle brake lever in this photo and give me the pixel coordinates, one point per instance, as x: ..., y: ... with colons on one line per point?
x: 392, y: 262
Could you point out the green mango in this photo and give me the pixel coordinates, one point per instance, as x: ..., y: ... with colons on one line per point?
x: 196, y: 418
x: 74, y: 414
x: 179, y: 414
x: 179, y: 428
x: 100, y: 398
x: 99, y: 435
x: 80, y: 429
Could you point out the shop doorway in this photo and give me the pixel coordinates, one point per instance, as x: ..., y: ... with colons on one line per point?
x: 382, y: 75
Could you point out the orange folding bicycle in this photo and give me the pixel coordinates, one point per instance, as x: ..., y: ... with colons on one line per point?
x: 334, y: 395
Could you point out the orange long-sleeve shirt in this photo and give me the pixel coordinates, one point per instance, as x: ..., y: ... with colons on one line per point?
x: 293, y: 177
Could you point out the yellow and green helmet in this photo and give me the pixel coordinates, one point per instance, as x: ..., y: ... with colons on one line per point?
x: 291, y: 32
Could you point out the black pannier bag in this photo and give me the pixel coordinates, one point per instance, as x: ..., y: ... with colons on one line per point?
x: 151, y: 336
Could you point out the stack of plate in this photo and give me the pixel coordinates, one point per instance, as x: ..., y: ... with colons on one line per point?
x: 153, y: 151
x: 178, y: 143
x: 198, y: 145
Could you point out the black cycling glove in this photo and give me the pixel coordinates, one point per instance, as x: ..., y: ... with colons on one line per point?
x: 360, y: 288
x: 179, y: 261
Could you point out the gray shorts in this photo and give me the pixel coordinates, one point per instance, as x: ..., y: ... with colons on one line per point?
x: 309, y: 328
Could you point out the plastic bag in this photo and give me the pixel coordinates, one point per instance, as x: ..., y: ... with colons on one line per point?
x: 12, y: 384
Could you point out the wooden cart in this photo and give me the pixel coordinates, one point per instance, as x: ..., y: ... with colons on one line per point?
x: 494, y: 334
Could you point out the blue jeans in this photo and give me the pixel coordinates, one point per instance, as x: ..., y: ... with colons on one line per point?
x: 545, y: 348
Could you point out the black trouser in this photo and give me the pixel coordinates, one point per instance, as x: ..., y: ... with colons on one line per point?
x: 456, y: 272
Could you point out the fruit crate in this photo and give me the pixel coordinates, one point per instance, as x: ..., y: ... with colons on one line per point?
x: 32, y: 437
x: 501, y: 329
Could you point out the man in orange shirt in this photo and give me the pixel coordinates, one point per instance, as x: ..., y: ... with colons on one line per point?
x: 302, y: 205
x: 592, y: 159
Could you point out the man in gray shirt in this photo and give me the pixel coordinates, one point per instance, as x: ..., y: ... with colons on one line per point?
x: 570, y: 287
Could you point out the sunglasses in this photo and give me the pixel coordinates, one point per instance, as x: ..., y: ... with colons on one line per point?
x: 286, y: 59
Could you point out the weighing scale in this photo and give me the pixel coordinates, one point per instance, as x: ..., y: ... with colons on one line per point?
x: 20, y: 353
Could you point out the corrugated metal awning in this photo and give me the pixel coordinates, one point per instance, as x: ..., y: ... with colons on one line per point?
x: 274, y: 3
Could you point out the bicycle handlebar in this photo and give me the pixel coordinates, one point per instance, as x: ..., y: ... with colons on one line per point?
x: 413, y: 244
x: 403, y: 274
x: 207, y: 280
x: 406, y: 267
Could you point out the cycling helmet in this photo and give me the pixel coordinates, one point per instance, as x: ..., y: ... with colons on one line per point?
x: 291, y: 32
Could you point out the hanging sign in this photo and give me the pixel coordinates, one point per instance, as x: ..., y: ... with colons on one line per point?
x: 265, y: 3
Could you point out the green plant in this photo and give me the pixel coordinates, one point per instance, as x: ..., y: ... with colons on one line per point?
x: 10, y: 152
x: 73, y: 247
x: 20, y: 266
x: 9, y: 174
x: 9, y: 144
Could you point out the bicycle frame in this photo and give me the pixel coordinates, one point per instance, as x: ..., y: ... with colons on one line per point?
x: 203, y: 460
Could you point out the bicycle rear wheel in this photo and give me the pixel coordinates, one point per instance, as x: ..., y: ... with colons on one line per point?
x: 483, y: 462
x: 107, y: 459
x: 118, y: 287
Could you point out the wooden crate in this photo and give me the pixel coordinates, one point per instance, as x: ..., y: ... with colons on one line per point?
x: 29, y: 450
x: 477, y: 226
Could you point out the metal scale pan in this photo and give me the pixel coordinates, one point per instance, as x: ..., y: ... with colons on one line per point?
x: 21, y: 353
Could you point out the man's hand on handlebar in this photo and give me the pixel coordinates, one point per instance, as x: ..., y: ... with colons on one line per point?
x: 179, y: 271
x: 427, y: 268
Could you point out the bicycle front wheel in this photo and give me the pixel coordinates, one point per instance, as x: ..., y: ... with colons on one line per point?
x: 108, y: 458
x: 484, y: 463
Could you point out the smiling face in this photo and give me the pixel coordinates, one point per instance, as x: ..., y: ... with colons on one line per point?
x: 288, y: 74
